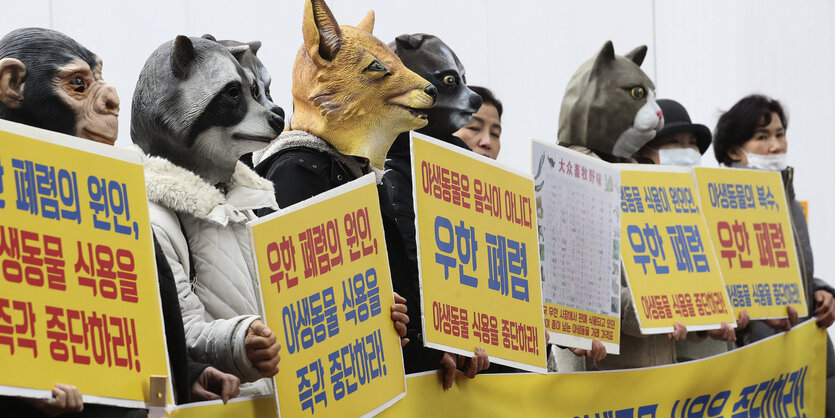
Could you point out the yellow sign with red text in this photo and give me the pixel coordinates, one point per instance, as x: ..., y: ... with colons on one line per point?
x: 79, y: 296
x: 327, y: 295
x: 478, y: 256
x: 667, y: 253
x: 750, y: 225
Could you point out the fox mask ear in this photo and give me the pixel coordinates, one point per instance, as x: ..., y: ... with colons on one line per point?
x: 12, y: 73
x: 322, y: 37
x: 367, y: 23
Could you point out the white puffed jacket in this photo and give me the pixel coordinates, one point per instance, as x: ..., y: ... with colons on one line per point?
x: 188, y: 214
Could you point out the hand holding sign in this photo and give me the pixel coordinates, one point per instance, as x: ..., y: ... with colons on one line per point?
x: 825, y: 310
x: 597, y: 352
x: 66, y: 399
x: 214, y: 384
x: 400, y: 318
x: 262, y: 348
x: 784, y: 324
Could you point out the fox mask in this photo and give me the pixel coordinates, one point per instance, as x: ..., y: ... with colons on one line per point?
x: 351, y: 90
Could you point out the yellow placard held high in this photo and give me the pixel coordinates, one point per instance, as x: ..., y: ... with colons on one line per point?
x: 750, y: 225
x: 327, y: 295
x: 667, y: 254
x: 79, y: 298
x: 478, y: 255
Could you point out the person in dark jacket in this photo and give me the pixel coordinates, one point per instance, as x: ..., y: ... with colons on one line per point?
x: 345, y: 119
x: 752, y: 134
x: 455, y: 104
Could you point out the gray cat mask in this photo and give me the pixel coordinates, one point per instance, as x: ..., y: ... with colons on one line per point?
x: 609, y: 105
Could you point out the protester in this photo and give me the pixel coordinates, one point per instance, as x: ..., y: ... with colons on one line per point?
x: 682, y: 143
x: 483, y: 133
x: 40, y: 51
x: 752, y: 134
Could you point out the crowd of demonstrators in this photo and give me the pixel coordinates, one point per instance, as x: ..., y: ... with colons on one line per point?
x: 751, y: 135
x: 201, y: 196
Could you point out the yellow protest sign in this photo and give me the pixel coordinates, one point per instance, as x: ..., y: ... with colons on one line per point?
x: 750, y: 226
x: 327, y: 295
x: 478, y: 258
x: 79, y: 299
x: 263, y: 407
x: 578, y: 218
x: 783, y: 376
x: 667, y: 253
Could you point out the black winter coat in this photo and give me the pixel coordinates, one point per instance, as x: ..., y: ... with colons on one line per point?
x: 398, y: 185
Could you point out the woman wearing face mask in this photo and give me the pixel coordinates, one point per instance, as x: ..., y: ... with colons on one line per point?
x: 682, y: 143
x: 752, y: 134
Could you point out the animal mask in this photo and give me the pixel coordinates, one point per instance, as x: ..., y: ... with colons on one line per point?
x: 48, y: 80
x: 196, y: 106
x: 433, y: 60
x: 351, y: 90
x: 256, y: 69
x: 609, y: 105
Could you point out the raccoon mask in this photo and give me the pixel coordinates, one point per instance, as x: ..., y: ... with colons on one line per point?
x: 433, y: 60
x: 256, y: 69
x: 609, y: 105
x: 351, y: 90
x: 197, y: 107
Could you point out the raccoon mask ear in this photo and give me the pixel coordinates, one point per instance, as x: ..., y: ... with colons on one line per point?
x: 637, y: 55
x: 181, y: 56
x: 254, y: 46
x: 209, y: 37
x: 238, y: 51
x: 604, y: 57
x: 322, y: 37
x: 367, y: 23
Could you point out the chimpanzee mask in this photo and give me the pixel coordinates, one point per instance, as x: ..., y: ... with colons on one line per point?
x: 48, y: 80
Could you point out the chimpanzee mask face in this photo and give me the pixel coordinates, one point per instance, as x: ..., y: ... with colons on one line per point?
x: 49, y: 81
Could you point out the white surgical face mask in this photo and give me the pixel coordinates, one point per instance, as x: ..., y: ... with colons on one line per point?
x: 685, y: 157
x: 770, y: 162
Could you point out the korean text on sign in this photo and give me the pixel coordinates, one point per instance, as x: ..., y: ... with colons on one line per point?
x: 749, y: 223
x: 78, y: 294
x: 327, y: 294
x: 479, y: 259
x: 667, y: 254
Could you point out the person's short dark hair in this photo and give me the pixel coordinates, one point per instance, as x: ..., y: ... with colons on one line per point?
x: 487, y: 97
x: 737, y: 125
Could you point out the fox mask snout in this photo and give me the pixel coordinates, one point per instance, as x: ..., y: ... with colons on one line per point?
x: 351, y: 90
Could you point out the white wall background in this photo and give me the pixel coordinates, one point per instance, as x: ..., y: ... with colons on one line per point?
x: 705, y: 54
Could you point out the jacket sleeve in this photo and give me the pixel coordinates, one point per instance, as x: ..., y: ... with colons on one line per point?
x: 220, y: 342
x: 819, y: 284
x: 628, y: 313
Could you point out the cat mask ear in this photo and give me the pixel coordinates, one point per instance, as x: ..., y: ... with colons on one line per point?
x: 637, y: 55
x: 604, y: 57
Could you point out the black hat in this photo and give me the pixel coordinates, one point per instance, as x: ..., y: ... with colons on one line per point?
x: 676, y: 120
